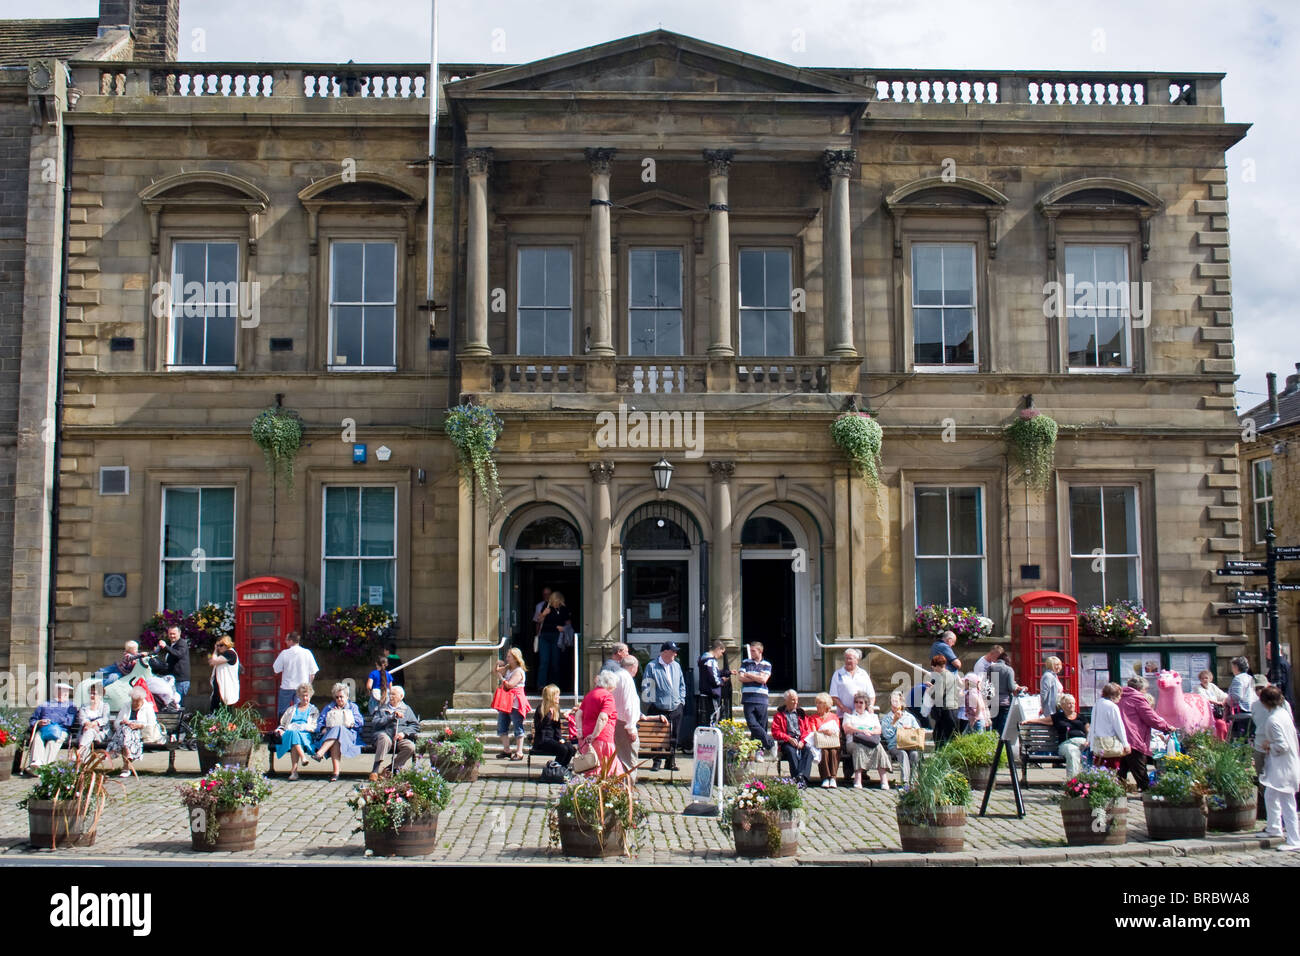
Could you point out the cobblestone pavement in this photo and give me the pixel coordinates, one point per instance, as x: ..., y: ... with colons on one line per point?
x: 502, y: 819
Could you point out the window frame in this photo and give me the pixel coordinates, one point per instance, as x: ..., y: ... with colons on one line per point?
x: 1079, y: 229
x: 1130, y: 342
x: 649, y: 245
x: 520, y: 245
x: 976, y: 320
x: 397, y: 543
x: 1068, y: 542
x: 162, y: 543
x: 329, y: 303
x: 171, y: 336
x: 918, y: 557
x: 1256, y: 501
x: 753, y: 244
x: 945, y: 230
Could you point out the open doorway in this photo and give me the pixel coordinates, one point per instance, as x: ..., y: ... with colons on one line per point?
x: 768, y: 616
x: 531, y: 577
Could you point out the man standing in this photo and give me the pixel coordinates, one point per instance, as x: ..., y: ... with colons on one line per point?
x: 395, y: 728
x: 943, y: 646
x: 296, y: 666
x: 664, y: 691
x: 754, y: 675
x: 988, y: 660
x: 174, y: 658
x: 711, y: 678
x: 616, y: 658
x: 849, y: 680
x: 628, y: 705
x: 1003, y: 679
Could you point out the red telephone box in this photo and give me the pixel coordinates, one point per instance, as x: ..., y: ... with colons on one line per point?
x: 266, y: 609
x: 1045, y: 624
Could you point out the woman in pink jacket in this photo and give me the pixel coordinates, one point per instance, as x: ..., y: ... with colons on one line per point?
x: 1139, y: 719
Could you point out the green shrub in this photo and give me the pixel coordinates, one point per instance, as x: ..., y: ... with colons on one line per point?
x: 935, y: 783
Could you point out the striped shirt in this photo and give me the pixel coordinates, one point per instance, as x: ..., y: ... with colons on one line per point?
x: 753, y: 692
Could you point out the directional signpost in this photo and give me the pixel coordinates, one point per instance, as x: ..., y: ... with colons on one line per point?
x: 1258, y: 600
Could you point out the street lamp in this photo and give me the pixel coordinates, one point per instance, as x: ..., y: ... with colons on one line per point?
x: 663, y: 473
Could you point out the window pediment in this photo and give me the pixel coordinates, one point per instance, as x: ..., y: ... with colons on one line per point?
x: 937, y: 195
x: 204, y: 190
x: 360, y: 192
x: 1100, y: 196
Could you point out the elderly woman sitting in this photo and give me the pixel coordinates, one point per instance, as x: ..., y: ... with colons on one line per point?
x: 863, y: 736
x: 93, y: 720
x: 340, y: 729
x: 1072, y: 731
x: 827, y: 728
x: 296, y: 730
x: 137, y: 725
x: 899, y: 718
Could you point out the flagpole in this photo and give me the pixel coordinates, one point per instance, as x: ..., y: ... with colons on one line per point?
x: 431, y: 94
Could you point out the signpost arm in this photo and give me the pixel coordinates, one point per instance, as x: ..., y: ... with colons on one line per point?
x: 1271, y: 565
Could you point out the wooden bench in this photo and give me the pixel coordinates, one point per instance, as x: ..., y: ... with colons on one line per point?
x: 170, y: 723
x: 654, y: 743
x: 1039, y: 744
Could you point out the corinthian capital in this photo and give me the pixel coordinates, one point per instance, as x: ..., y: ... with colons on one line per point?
x: 719, y: 161
x: 477, y: 161
x: 838, y: 162
x: 601, y: 471
x: 722, y: 470
x: 600, y: 159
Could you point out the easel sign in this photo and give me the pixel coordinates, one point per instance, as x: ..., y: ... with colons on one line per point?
x: 1025, y: 707
x: 706, y: 782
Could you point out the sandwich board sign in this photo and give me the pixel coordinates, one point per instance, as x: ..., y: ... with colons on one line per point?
x: 706, y: 781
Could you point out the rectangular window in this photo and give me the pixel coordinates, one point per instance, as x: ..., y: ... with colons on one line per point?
x: 363, y: 304
x: 359, y: 564
x: 950, y: 546
x: 943, y: 304
x: 1105, y: 553
x: 766, y: 320
x: 1097, y: 306
x: 545, y: 301
x: 198, y: 547
x: 654, y: 313
x: 204, y: 304
x: 1262, y: 493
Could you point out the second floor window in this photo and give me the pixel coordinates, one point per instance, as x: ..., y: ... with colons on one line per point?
x: 943, y: 304
x: 363, y: 304
x: 766, y: 321
x: 1097, y: 310
x: 654, y: 314
x: 1105, y: 559
x: 198, y: 547
x: 204, y: 304
x: 545, y: 301
x: 1262, y: 493
x: 950, y: 546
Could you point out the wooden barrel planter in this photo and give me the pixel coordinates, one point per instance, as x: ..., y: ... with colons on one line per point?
x: 979, y: 777
x: 236, y: 754
x: 1233, y: 818
x: 7, y: 754
x: 944, y: 832
x: 415, y: 838
x: 582, y: 841
x: 754, y: 838
x: 458, y: 773
x: 1173, y: 821
x: 236, y: 830
x: 55, y: 823
x: 737, y: 774
x: 1080, y: 822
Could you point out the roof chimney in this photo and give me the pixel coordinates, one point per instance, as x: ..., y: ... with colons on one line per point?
x: 1273, y: 412
x: 154, y: 26
x: 1293, y: 381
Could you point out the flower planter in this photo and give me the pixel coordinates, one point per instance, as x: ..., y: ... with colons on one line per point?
x: 415, y: 838
x: 236, y: 754
x: 978, y: 777
x: 1167, y: 821
x: 754, y: 837
x: 1233, y: 818
x: 1081, y: 822
x: 736, y: 773
x: 7, y: 761
x: 459, y: 772
x: 943, y: 832
x: 236, y: 830
x: 579, y: 840
x: 52, y: 823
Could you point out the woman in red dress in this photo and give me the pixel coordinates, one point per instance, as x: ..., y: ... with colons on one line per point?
x: 598, y: 717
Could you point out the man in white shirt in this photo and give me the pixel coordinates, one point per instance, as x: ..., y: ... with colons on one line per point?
x: 628, y: 704
x: 991, y: 657
x: 849, y: 680
x: 296, y: 665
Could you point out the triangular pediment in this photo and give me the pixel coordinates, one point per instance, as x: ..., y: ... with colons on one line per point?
x: 655, y: 63
x: 661, y: 201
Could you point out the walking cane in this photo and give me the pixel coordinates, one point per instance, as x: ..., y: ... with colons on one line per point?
x: 27, y: 751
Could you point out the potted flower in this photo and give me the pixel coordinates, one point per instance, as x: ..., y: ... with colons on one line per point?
x: 1032, y: 437
x: 12, y: 734
x: 966, y: 622
x: 1230, y: 779
x: 764, y: 818
x: 226, y: 736
x: 457, y: 754
x: 201, y: 628
x: 474, y: 430
x: 972, y: 755
x: 1121, y: 621
x: 1175, y: 806
x: 739, y: 750
x: 278, y: 432
x: 223, y: 807
x: 1094, y: 809
x: 860, y: 436
x: 932, y: 807
x: 596, y: 816
x: 64, y: 807
x: 399, y: 814
x: 355, y: 632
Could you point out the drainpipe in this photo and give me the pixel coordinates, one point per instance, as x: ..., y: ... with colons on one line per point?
x: 1273, y: 411
x: 453, y: 296
x: 58, y: 404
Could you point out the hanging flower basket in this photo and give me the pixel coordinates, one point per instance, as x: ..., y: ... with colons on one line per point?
x: 278, y: 432
x: 859, y: 436
x: 202, y: 628
x: 1032, y: 437
x: 474, y: 430
x: 1121, y: 621
x: 356, y: 632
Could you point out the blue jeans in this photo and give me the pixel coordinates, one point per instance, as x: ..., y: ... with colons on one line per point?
x: 504, y: 721
x: 756, y: 720
x: 183, y: 688
x: 284, y: 699
x: 548, y: 658
x: 800, y: 761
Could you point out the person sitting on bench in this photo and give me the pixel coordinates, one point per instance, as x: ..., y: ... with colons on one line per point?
x: 93, y: 720
x: 548, y: 737
x: 790, y: 725
x: 395, y: 728
x: 49, y: 727
x: 340, y: 734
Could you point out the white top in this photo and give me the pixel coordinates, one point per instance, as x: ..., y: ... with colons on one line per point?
x: 626, y: 700
x: 844, y: 685
x: 981, y: 665
x: 1214, y: 693
x: 1281, y: 764
x: 1106, y: 722
x: 296, y: 666
x: 1242, y: 691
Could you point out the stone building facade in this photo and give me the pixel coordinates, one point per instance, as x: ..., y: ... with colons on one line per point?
x: 653, y: 249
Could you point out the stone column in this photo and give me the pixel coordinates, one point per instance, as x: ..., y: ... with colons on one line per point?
x: 719, y: 248
x: 602, y: 327
x: 838, y: 323
x: 602, y: 553
x: 723, y: 621
x: 476, y: 269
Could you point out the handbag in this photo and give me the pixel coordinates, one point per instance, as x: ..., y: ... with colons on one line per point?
x: 927, y: 702
x: 584, y: 760
x: 826, y: 740
x: 503, y: 700
x: 1107, y: 747
x: 866, y: 740
x: 553, y: 772
x: 51, y: 732
x: 909, y: 738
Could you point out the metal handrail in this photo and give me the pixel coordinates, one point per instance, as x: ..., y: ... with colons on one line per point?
x: 452, y: 647
x: 865, y: 642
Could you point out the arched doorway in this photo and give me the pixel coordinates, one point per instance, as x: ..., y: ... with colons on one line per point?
x: 544, y: 549
x: 777, y: 591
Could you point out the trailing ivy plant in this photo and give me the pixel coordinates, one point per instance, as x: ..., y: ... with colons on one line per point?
x: 474, y: 429
x: 859, y: 436
x: 278, y: 432
x: 1032, y: 437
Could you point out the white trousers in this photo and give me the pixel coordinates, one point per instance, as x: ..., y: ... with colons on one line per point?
x: 1280, y: 805
x: 44, y: 751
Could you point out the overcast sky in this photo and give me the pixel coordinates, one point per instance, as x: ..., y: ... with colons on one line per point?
x: 1254, y: 43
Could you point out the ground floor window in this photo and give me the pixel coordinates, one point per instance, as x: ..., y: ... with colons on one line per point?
x: 198, y: 547
x: 359, y: 564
